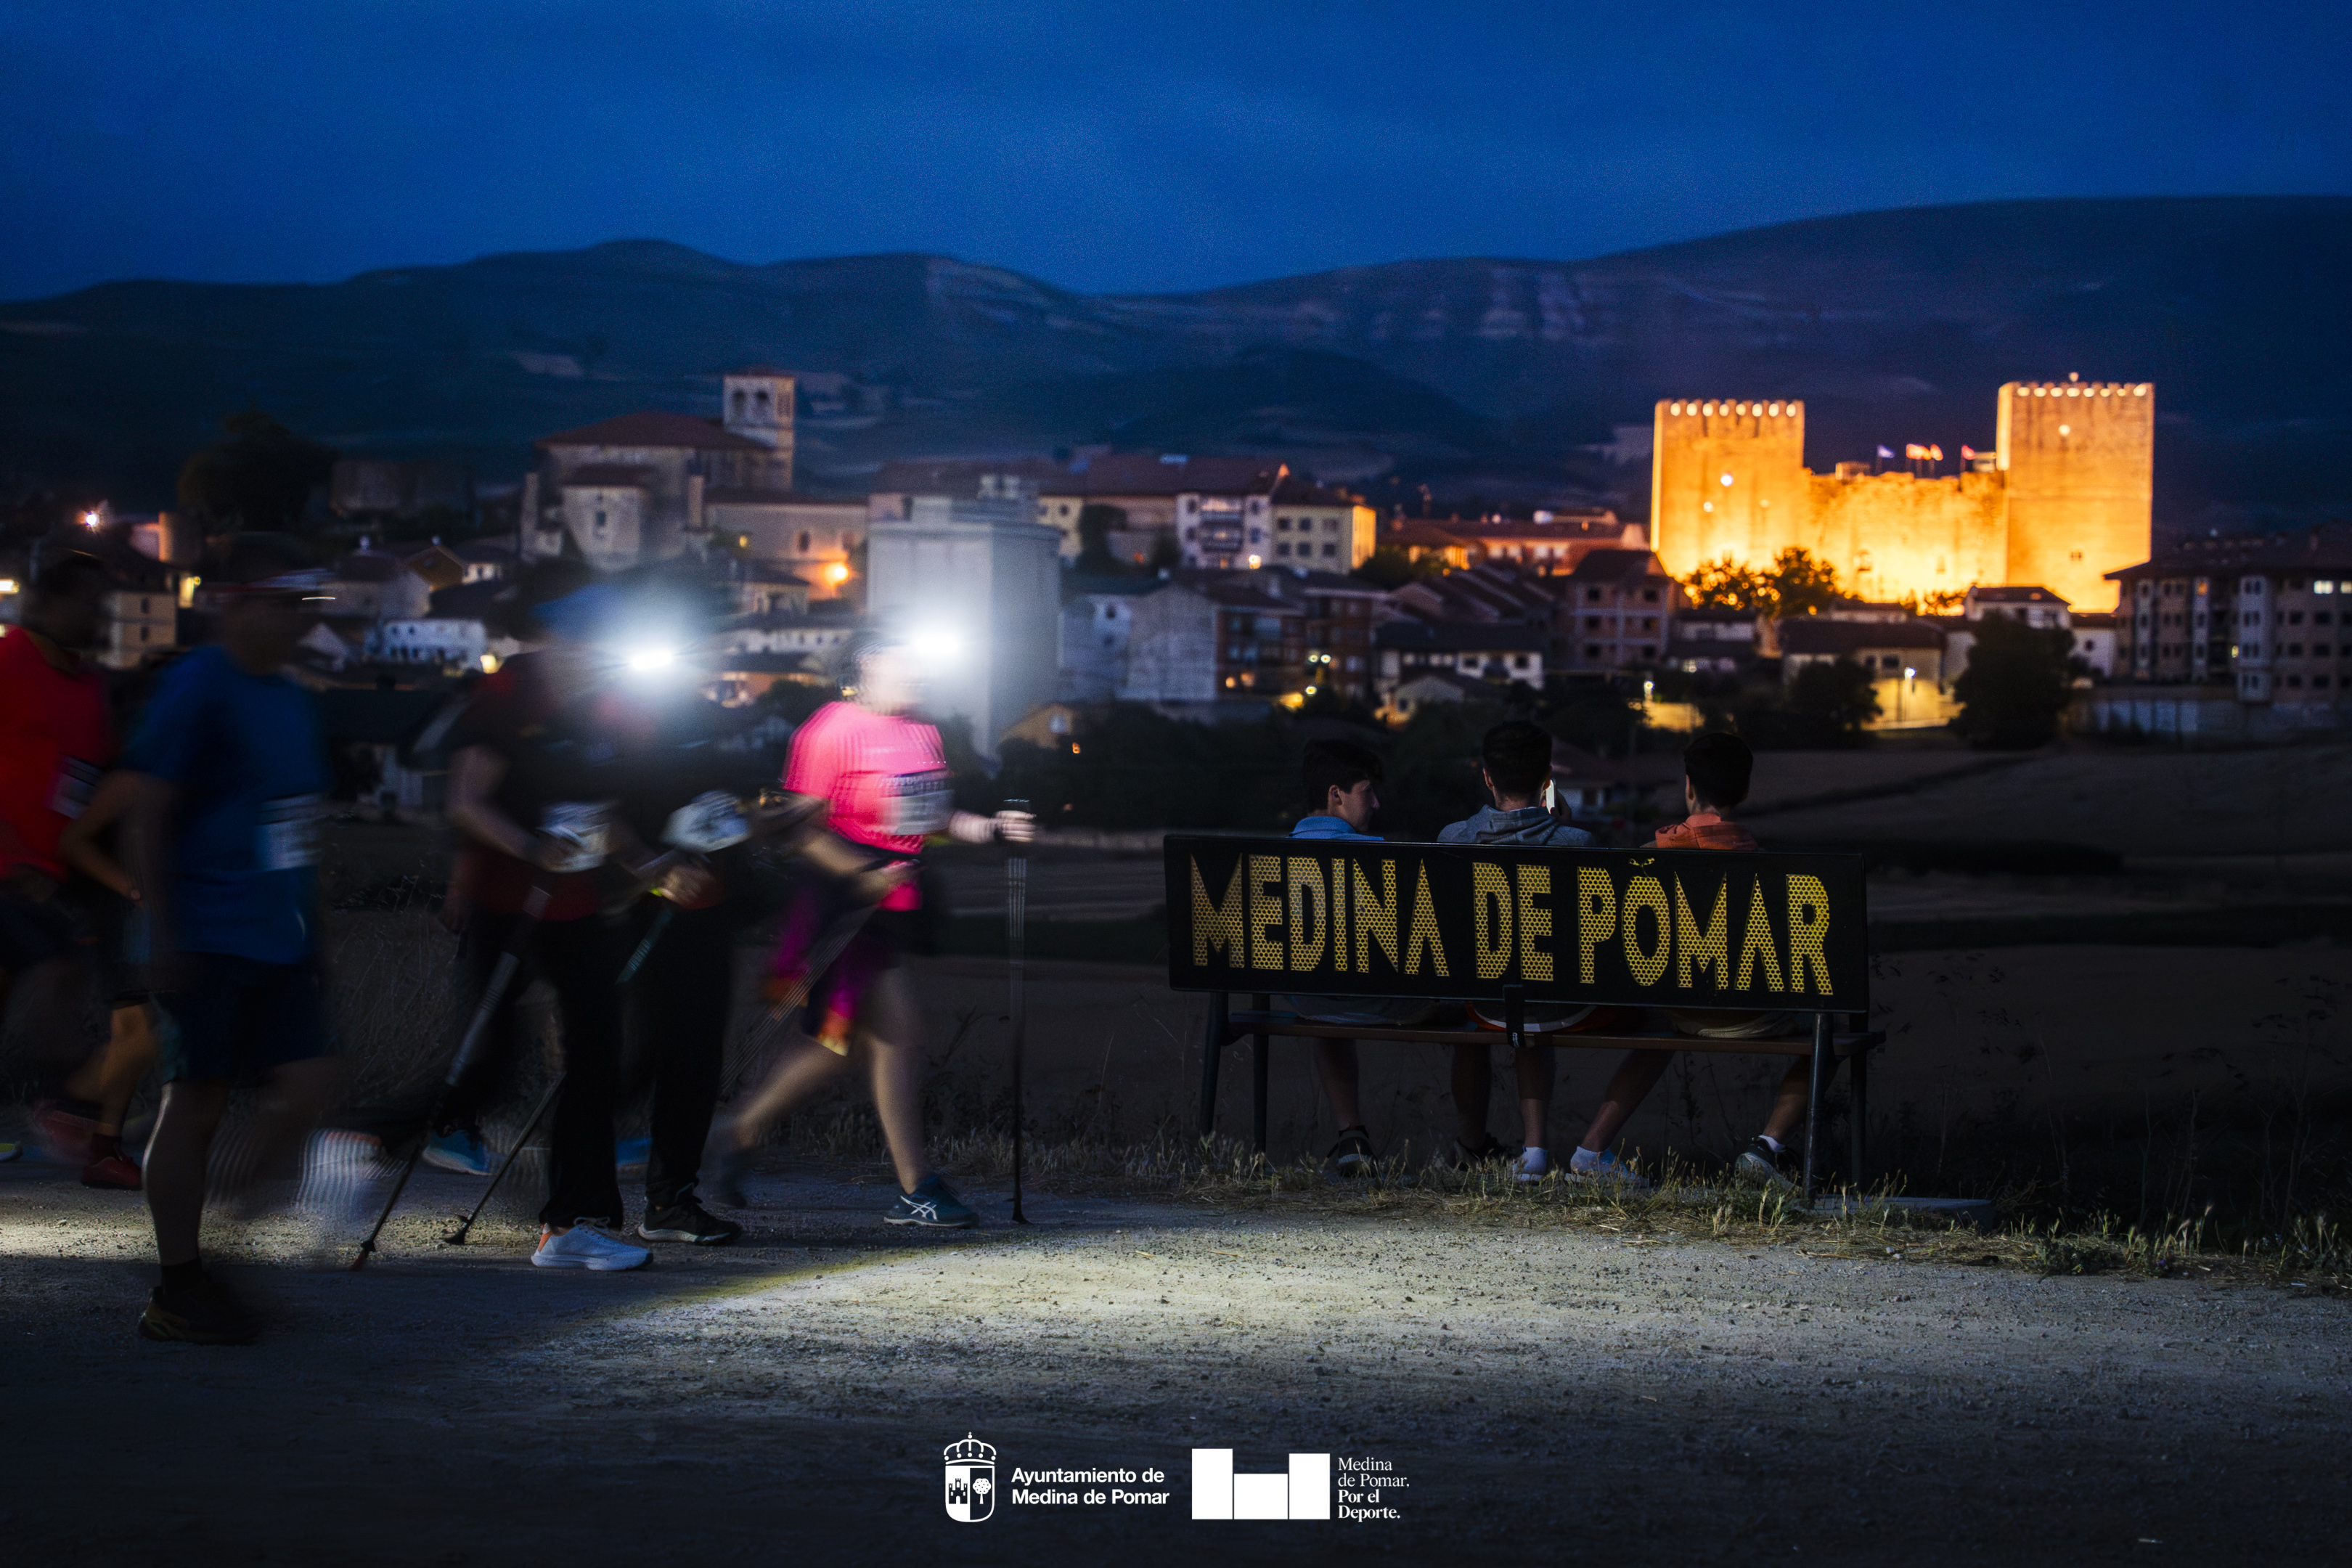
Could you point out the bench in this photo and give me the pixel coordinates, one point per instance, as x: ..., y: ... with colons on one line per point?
x: 1466, y: 901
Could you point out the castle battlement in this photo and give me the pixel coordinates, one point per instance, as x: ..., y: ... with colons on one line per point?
x: 2066, y: 498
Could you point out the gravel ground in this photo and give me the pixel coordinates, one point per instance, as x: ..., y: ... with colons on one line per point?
x: 1543, y: 1394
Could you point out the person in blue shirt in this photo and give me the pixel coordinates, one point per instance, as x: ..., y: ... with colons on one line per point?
x: 1342, y: 781
x: 231, y: 775
x: 1515, y: 761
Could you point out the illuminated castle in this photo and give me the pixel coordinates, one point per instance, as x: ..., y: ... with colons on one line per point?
x: 2064, y: 499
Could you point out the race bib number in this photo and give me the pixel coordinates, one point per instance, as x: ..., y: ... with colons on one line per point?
x: 77, y: 781
x: 917, y: 804
x: 289, y: 833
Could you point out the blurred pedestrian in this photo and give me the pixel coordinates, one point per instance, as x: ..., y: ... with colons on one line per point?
x: 231, y: 776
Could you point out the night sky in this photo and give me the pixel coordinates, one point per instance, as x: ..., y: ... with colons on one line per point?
x: 1104, y: 146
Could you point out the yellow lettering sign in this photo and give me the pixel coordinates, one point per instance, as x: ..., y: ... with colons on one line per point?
x: 1305, y: 887
x: 1647, y: 964
x: 1425, y: 932
x: 1809, y: 927
x: 1535, y: 963
x: 1756, y: 942
x: 1698, y: 948
x: 1596, y: 914
x: 1375, y: 914
x: 1490, y: 898
x: 1217, y: 924
x: 1266, y: 911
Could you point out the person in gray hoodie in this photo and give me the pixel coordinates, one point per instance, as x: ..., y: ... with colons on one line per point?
x: 1516, y: 766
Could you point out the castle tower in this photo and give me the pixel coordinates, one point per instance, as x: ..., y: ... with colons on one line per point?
x: 1727, y: 478
x: 2079, y: 463
x: 757, y: 404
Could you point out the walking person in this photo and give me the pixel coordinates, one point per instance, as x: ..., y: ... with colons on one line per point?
x: 231, y: 773
x: 885, y: 779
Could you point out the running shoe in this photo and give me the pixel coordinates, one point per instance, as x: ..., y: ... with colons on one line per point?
x: 1352, y: 1157
x: 11, y: 1151
x: 630, y: 1155
x: 1762, y: 1166
x: 1532, y: 1166
x: 112, y: 1170
x: 1489, y: 1150
x: 65, y: 1135
x: 462, y: 1151
x: 1610, y: 1169
x: 933, y: 1206
x: 687, y: 1221
x: 585, y: 1247
x: 203, y: 1314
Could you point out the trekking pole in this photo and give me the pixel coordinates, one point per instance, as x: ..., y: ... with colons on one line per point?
x: 534, y: 904
x: 1016, y: 912
x: 458, y: 1236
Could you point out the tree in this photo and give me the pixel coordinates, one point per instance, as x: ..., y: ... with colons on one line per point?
x: 1800, y: 586
x: 1841, y: 696
x: 2019, y: 681
x: 259, y: 477
x: 1726, y: 584
x: 1097, y: 522
x: 1390, y: 567
x: 1795, y: 585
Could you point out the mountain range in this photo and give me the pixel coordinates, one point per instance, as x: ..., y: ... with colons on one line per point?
x: 1474, y: 379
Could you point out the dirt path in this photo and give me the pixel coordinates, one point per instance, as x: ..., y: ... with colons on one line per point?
x: 1545, y: 1396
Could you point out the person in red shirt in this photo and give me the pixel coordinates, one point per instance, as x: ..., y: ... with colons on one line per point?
x: 886, y: 782
x: 1716, y: 769
x: 56, y: 738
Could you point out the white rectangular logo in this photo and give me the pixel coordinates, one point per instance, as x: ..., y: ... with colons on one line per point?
x: 1303, y: 1491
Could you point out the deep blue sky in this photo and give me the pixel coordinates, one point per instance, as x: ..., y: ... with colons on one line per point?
x: 1103, y: 144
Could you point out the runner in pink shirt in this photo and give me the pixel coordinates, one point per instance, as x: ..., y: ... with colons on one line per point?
x: 886, y: 781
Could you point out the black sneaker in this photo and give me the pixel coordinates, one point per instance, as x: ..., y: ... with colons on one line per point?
x: 1352, y: 1157
x: 1490, y: 1151
x: 933, y: 1206
x: 202, y: 1314
x: 1760, y: 1167
x: 687, y: 1221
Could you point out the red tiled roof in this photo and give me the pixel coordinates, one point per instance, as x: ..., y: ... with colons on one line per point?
x: 1613, y: 565
x: 655, y: 428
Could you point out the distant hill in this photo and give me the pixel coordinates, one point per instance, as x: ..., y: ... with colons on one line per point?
x: 1493, y: 378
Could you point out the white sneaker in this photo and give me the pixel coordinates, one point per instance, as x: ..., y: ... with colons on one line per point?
x: 585, y: 1247
x: 1607, y: 1168
x: 1532, y: 1166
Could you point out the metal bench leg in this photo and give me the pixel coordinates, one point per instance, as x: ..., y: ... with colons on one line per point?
x: 1213, y: 1051
x: 1858, y: 1117
x: 1813, y: 1100
x: 1257, y: 1076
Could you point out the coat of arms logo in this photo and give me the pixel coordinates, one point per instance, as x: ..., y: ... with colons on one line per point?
x: 972, y: 1481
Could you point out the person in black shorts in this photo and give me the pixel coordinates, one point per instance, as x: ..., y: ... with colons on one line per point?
x: 231, y: 773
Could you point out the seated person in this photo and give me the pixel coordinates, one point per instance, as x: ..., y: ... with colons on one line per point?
x: 1716, y: 773
x: 1516, y: 766
x: 1340, y: 780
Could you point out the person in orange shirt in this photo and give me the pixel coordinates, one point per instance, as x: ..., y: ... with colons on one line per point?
x: 1716, y: 769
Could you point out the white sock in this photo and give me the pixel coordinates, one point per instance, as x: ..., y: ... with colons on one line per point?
x: 1771, y: 1143
x: 1583, y: 1158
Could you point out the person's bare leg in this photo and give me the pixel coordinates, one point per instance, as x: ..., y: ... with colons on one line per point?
x: 1637, y: 1075
x: 887, y: 1031
x: 799, y: 1073
x: 1335, y: 1063
x: 1789, y: 1103
x: 1533, y: 1067
x: 176, y: 1159
x: 110, y: 1078
x: 1474, y: 1085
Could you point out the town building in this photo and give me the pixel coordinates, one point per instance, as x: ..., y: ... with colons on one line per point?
x: 1341, y: 614
x: 1097, y: 618
x: 1905, y: 661
x: 1551, y: 543
x: 1209, y: 638
x: 634, y: 488
x: 1617, y: 610
x: 2065, y: 499
x: 1317, y: 526
x: 1497, y: 652
x: 1209, y: 512
x: 1712, y: 641
x: 2261, y: 612
x: 972, y: 578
